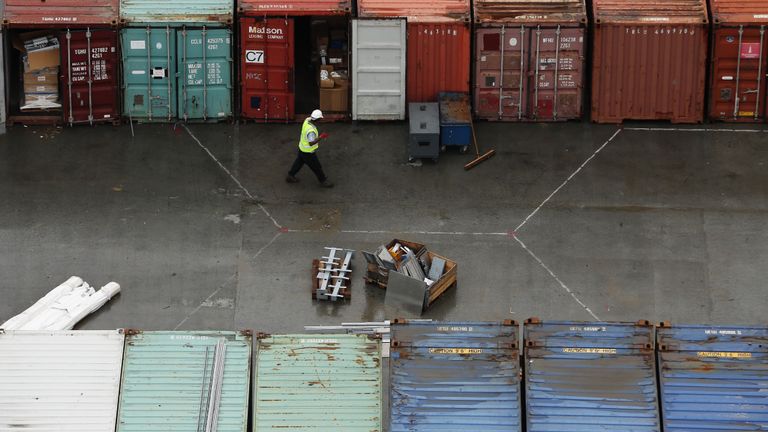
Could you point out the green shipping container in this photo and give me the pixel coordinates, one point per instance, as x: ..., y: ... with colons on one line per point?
x: 319, y: 383
x: 169, y: 73
x: 185, y: 381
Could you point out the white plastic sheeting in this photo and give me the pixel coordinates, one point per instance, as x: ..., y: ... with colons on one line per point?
x: 60, y: 381
x: 63, y: 307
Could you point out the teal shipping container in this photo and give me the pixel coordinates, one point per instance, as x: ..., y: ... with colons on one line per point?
x: 318, y: 382
x: 177, y: 59
x: 185, y: 381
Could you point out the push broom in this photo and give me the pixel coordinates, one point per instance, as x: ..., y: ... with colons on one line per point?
x: 478, y: 158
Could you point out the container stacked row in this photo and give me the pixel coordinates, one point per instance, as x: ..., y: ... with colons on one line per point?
x: 66, y: 60
x: 443, y: 376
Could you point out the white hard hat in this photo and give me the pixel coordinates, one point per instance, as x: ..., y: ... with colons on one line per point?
x: 316, y: 114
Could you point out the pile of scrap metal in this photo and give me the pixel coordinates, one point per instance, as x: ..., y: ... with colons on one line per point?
x: 413, y: 276
x: 63, y: 307
x: 331, y: 275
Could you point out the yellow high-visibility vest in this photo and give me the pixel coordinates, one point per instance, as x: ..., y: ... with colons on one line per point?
x: 306, y: 129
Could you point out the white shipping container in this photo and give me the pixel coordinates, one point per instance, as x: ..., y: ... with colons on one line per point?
x: 60, y: 381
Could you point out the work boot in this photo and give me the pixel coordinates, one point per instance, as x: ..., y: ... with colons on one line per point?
x: 291, y: 179
x: 326, y: 184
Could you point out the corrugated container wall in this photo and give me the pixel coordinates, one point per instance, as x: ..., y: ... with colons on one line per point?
x: 294, y: 7
x: 713, y: 378
x: 590, y: 377
x: 438, y: 47
x: 455, y: 376
x: 185, y: 381
x: 737, y: 90
x: 59, y: 381
x: 177, y: 12
x: 318, y: 382
x: 60, y: 13
x: 2, y: 81
x: 530, y: 59
x: 649, y: 63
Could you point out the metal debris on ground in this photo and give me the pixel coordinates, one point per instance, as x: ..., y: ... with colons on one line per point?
x: 331, y: 275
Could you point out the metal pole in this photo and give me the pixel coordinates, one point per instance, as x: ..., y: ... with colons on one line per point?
x: 205, y: 74
x: 185, y: 74
x: 738, y: 75
x: 522, y: 73
x: 501, y: 79
x: 759, y: 74
x: 90, y: 77
x: 536, y: 84
x: 168, y: 66
x: 149, y: 73
x: 557, y: 72
x: 69, y: 74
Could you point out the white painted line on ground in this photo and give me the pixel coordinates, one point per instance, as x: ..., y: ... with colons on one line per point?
x: 672, y: 129
x: 554, y: 276
x: 186, y: 318
x: 231, y: 176
x: 570, y: 177
x: 444, y: 233
x: 263, y: 248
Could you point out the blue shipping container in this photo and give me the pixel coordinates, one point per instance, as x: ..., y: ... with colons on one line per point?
x: 713, y: 378
x: 455, y: 376
x: 590, y: 377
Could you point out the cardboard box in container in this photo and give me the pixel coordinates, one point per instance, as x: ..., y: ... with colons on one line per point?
x: 334, y: 99
x: 38, y: 51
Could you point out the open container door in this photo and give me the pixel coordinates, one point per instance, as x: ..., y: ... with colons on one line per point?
x: 267, y: 53
x: 378, y: 69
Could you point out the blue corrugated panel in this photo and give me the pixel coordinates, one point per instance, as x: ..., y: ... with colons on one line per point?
x: 455, y: 376
x: 177, y: 12
x: 590, y: 377
x: 714, y: 378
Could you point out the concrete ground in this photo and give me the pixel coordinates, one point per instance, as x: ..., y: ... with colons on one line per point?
x: 569, y: 221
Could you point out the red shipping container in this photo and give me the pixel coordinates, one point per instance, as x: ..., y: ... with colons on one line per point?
x: 650, y: 61
x: 60, y: 13
x: 541, y: 44
x: 285, y: 8
x: 737, y: 91
x: 438, y: 46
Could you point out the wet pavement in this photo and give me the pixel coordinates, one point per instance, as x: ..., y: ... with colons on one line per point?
x: 202, y: 231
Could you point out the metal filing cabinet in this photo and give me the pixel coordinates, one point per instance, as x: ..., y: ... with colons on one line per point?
x: 424, y: 139
x: 455, y: 120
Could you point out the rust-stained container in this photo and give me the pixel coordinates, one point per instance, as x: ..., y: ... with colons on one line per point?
x: 737, y: 90
x: 282, y: 46
x: 87, y: 67
x: 522, y: 49
x: 650, y: 61
x: 438, y: 44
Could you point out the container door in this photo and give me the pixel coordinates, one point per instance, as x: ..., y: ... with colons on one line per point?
x: 438, y: 60
x: 499, y: 85
x: 738, y: 74
x: 205, y: 87
x: 2, y: 83
x: 149, y: 73
x: 557, y: 62
x: 378, y: 69
x: 267, y: 61
x: 89, y: 82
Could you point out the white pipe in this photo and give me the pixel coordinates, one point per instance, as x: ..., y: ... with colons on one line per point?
x: 49, y: 299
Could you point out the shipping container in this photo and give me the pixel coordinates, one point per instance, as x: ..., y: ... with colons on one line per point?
x: 455, y: 376
x: 737, y: 90
x: 2, y: 81
x: 295, y: 58
x: 77, y: 85
x: 60, y: 381
x: 185, y: 381
x: 317, y: 382
x: 590, y: 376
x: 713, y: 378
x: 177, y: 60
x: 438, y: 44
x: 649, y: 62
x: 530, y: 59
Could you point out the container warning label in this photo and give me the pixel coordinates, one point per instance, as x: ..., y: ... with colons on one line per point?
x: 722, y: 354
x: 138, y: 44
x: 590, y: 350
x: 455, y: 351
x: 750, y: 50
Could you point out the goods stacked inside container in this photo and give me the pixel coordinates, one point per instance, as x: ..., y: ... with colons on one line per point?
x: 294, y: 58
x: 713, y: 378
x: 649, y: 60
x: 590, y: 376
x: 177, y: 59
x: 438, y: 43
x: 529, y: 59
x: 737, y: 91
x: 61, y: 61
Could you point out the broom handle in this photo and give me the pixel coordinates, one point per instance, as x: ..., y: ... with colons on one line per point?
x: 474, y: 140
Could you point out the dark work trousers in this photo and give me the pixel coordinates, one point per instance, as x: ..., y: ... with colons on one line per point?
x: 312, y: 161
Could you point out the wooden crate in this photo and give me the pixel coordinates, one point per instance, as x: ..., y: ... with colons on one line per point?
x: 346, y: 292
x: 448, y: 279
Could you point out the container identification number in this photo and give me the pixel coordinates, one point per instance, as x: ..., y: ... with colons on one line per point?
x: 590, y: 350
x: 721, y: 354
x: 318, y: 341
x: 455, y: 329
x: 455, y: 351
x: 723, y: 332
x: 660, y: 31
x: 589, y: 329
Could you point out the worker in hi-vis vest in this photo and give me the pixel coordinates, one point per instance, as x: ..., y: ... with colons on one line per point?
x: 308, y: 144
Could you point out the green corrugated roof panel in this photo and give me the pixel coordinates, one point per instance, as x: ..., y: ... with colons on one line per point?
x: 177, y: 12
x: 318, y: 383
x: 167, y: 377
